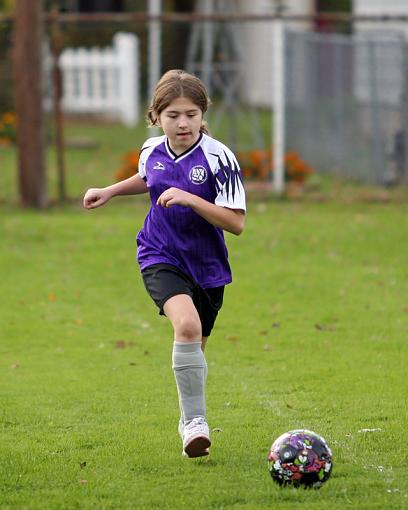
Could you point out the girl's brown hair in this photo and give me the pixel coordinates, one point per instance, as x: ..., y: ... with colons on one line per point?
x: 172, y: 85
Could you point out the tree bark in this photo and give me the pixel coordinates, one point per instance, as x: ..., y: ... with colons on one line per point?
x: 28, y: 90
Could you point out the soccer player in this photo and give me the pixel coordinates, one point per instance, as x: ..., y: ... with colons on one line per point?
x: 196, y: 192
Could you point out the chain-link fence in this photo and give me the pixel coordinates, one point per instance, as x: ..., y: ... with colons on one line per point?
x: 346, y: 109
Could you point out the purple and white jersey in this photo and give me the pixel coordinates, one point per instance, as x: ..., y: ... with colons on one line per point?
x: 178, y: 235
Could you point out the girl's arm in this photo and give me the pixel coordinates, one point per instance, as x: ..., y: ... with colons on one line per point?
x: 95, y: 197
x: 231, y: 220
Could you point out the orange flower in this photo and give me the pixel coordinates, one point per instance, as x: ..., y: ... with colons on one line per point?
x: 9, y: 118
x: 129, y: 167
x: 257, y: 164
x: 8, y: 122
x: 5, y: 142
x: 132, y: 158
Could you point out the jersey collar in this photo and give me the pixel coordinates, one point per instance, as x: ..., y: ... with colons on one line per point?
x: 177, y: 157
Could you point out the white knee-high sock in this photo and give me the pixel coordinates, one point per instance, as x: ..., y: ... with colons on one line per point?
x: 189, y: 367
x: 205, y: 382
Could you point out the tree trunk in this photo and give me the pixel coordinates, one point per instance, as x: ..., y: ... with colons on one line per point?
x: 28, y: 89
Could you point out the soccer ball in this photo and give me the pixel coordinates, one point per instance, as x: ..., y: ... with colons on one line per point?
x: 300, y: 458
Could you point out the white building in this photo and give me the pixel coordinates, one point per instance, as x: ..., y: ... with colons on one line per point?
x: 257, y: 50
x: 378, y: 8
x: 257, y: 37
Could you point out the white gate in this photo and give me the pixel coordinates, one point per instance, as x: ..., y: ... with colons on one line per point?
x: 103, y: 80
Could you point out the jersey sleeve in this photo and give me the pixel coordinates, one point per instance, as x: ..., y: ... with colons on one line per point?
x: 228, y: 181
x: 141, y: 167
x: 145, y: 152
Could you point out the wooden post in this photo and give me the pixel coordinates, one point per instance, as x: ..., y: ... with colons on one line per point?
x: 28, y: 90
x: 56, y: 48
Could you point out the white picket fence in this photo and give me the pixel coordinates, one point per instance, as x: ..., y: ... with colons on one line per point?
x: 102, y: 80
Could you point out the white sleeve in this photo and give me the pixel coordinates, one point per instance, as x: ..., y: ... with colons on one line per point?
x: 145, y: 152
x: 228, y: 179
x: 142, y: 163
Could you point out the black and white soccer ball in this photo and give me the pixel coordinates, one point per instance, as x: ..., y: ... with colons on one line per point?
x: 300, y: 458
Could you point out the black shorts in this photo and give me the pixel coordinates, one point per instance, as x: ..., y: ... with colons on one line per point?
x: 163, y: 281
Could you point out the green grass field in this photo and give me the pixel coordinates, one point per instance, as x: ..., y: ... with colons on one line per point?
x: 313, y: 334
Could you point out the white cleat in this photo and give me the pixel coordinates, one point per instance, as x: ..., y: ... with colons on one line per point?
x: 196, y: 438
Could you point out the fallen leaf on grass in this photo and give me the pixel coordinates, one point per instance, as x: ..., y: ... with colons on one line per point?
x: 52, y: 297
x: 121, y: 344
x: 82, y: 464
x: 83, y: 482
x: 216, y: 429
x: 15, y: 365
x: 324, y: 327
x: 232, y: 338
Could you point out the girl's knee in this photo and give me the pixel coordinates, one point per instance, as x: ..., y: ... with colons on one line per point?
x: 187, y: 329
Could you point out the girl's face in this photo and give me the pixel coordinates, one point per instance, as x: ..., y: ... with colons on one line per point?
x: 181, y: 122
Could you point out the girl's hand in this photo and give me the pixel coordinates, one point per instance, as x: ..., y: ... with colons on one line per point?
x: 231, y: 220
x: 173, y: 196
x: 95, y: 197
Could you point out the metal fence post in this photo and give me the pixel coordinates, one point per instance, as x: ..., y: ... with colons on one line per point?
x: 154, y: 52
x: 278, y: 106
x: 404, y: 122
x: 377, y: 142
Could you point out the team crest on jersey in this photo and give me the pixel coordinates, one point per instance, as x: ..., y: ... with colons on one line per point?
x: 198, y: 174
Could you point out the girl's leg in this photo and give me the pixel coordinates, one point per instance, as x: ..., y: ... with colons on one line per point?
x: 184, y: 318
x: 186, y: 322
x: 190, y: 368
x: 203, y: 344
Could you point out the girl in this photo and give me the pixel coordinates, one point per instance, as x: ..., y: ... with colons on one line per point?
x: 196, y: 192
